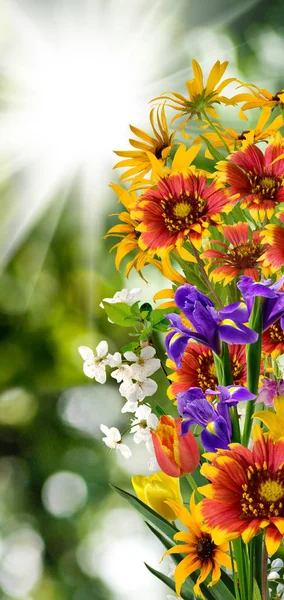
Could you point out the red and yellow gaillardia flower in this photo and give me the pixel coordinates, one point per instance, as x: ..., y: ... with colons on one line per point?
x: 273, y: 340
x: 198, y: 369
x: 256, y: 178
x: 159, y: 144
x: 251, y: 500
x: 234, y: 139
x: 241, y: 256
x: 201, y: 98
x: 179, y: 208
x: 273, y: 238
x: 202, y: 552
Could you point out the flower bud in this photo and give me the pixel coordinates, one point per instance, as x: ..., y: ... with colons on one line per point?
x: 175, y: 455
x: 155, y: 490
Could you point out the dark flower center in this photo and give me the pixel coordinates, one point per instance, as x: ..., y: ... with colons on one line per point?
x: 205, y: 548
x: 245, y: 255
x: 206, y: 372
x: 159, y: 150
x: 242, y: 135
x: 266, y: 187
x: 263, y: 494
x: 276, y: 332
x: 182, y: 212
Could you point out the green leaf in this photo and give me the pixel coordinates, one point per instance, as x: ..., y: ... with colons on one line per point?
x: 164, y: 526
x: 256, y: 595
x: 130, y: 347
x: 159, y: 314
x: 120, y: 313
x: 217, y: 155
x: 169, y: 582
x: 146, y: 307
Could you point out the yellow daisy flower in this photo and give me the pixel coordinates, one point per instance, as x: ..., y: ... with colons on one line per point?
x: 159, y: 145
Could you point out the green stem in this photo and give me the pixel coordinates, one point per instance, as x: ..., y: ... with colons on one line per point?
x: 253, y: 366
x: 193, y: 486
x: 218, y: 132
x: 205, y: 277
x: 225, y: 377
x: 237, y: 594
x: 241, y: 560
x: 264, y: 583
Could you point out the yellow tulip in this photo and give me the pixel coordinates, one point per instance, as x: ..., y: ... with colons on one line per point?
x: 155, y: 490
x: 274, y: 422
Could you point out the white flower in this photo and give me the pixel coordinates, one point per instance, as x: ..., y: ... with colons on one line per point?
x: 129, y: 407
x: 171, y: 570
x: 273, y: 575
x: 135, y: 392
x: 114, y: 360
x: 123, y: 371
x: 128, y: 297
x: 113, y: 440
x: 144, y: 364
x: 95, y: 366
x: 143, y: 423
x: 277, y: 564
x: 280, y: 590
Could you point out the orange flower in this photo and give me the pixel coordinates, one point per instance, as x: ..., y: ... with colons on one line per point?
x: 258, y: 98
x: 198, y: 369
x: 273, y: 238
x: 175, y: 455
x: 200, y: 549
x: 253, y: 498
x: 273, y: 340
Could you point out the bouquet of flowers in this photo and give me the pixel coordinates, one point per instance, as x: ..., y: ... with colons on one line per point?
x: 213, y: 225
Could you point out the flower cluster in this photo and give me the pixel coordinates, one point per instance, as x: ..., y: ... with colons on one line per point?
x: 208, y: 213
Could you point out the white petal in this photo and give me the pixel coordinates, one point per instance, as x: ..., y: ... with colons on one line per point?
x: 86, y: 353
x: 134, y: 295
x: 273, y: 575
x: 129, y: 407
x: 115, y: 434
x: 125, y: 451
x: 99, y: 372
x: 130, y: 356
x: 152, y: 421
x: 277, y: 564
x: 109, y: 442
x: 114, y: 360
x: 148, y: 388
x: 148, y: 352
x: 104, y: 429
x: 143, y: 412
x: 137, y: 438
x: 130, y: 391
x: 102, y: 349
x: 90, y: 370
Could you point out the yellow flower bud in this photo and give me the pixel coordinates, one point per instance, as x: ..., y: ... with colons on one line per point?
x: 157, y: 488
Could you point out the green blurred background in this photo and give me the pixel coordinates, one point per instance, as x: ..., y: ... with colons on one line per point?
x: 63, y: 534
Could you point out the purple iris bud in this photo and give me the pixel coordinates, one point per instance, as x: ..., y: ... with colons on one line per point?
x: 273, y: 303
x: 268, y: 390
x: 211, y: 327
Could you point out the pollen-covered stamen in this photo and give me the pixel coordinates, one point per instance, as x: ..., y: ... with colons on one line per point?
x: 267, y: 186
x: 181, y: 212
x: 276, y: 332
x: 244, y: 256
x: 205, y: 548
x: 206, y: 372
x: 237, y: 367
x: 263, y: 494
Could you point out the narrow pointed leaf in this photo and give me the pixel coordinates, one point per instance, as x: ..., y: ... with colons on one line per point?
x: 170, y: 583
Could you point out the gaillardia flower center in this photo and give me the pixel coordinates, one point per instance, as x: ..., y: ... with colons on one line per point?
x: 245, y: 255
x: 263, y: 494
x: 265, y: 187
x: 206, y: 372
x: 205, y: 548
x: 181, y: 212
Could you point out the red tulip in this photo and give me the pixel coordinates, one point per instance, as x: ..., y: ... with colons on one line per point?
x: 175, y: 455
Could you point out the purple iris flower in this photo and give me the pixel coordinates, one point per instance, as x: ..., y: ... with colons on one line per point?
x: 216, y: 422
x: 273, y: 303
x: 211, y: 326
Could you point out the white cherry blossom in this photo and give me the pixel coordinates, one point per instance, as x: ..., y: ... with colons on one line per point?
x: 144, y: 421
x: 112, y: 440
x: 95, y: 366
x: 144, y: 364
x: 123, y: 371
x: 128, y: 297
x: 129, y: 407
x: 137, y: 391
